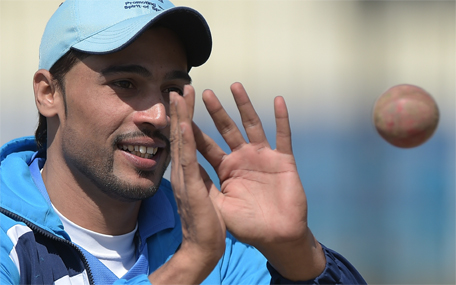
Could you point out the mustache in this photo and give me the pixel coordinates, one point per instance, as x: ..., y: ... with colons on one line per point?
x: 141, y: 134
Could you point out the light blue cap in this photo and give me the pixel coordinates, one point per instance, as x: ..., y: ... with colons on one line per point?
x: 105, y: 26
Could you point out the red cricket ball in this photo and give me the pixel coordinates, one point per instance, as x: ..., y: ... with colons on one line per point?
x: 405, y: 116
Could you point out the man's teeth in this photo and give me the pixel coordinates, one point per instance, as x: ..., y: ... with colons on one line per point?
x: 140, y: 150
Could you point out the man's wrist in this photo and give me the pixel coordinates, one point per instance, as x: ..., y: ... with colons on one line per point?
x: 297, y: 261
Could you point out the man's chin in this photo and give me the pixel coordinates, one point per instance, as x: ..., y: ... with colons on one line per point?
x: 133, y: 193
x: 134, y: 184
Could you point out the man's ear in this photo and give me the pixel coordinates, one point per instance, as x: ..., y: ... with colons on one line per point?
x: 47, y: 94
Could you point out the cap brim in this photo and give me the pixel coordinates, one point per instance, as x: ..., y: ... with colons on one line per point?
x: 187, y: 23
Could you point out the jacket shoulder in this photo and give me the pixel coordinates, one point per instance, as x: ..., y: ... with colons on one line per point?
x: 20, y: 145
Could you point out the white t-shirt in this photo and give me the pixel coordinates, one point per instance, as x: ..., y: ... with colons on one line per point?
x: 115, y: 252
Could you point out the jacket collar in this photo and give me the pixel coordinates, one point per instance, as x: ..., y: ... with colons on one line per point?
x: 24, y: 193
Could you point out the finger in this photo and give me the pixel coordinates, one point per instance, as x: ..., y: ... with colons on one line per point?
x: 176, y: 170
x: 283, y: 132
x: 189, y: 96
x: 225, y: 125
x: 187, y: 151
x: 208, y: 148
x: 250, y: 120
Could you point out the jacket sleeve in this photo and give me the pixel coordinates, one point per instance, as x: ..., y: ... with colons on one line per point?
x: 9, y: 273
x: 243, y: 264
x: 338, y: 271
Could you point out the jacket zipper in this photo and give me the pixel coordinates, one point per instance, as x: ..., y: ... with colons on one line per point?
x: 39, y: 230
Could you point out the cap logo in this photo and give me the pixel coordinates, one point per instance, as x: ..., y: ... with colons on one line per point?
x: 143, y: 4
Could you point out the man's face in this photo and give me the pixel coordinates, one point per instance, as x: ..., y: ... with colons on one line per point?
x: 114, y: 137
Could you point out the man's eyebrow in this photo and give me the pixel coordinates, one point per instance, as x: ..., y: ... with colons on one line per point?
x: 138, y: 69
x: 141, y: 70
x: 177, y: 74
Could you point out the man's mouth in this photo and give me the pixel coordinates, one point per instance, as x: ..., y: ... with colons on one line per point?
x: 139, y: 150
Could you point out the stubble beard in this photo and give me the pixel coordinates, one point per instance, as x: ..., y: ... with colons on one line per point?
x: 101, y: 172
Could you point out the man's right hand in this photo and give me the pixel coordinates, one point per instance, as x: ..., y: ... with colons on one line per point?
x: 203, y: 229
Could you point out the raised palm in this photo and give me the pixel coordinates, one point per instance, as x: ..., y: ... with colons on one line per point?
x: 262, y: 200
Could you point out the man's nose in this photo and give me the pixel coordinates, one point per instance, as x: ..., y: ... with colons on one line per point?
x: 155, y: 115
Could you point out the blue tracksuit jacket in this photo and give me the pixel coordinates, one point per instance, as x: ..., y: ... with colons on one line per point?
x: 35, y: 249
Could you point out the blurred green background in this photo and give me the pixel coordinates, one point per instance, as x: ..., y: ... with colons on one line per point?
x: 390, y: 211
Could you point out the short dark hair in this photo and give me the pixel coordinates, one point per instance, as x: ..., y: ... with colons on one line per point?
x: 58, y: 72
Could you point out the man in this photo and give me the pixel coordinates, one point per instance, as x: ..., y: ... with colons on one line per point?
x: 84, y: 201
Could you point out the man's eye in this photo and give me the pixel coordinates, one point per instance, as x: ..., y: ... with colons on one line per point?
x: 174, y: 89
x: 123, y: 84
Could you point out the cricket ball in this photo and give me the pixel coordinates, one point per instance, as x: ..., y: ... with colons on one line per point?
x: 406, y: 116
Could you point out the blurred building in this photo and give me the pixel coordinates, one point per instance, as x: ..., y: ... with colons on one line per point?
x: 390, y: 211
